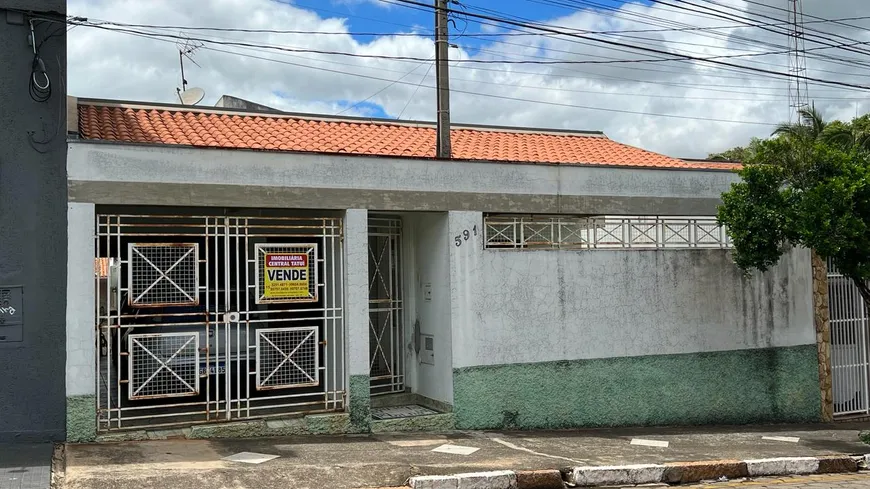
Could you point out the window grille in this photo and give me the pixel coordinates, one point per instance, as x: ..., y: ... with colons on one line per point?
x: 287, y: 357
x: 162, y: 274
x: 163, y: 365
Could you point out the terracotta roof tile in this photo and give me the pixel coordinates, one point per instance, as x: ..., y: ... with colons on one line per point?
x: 192, y: 127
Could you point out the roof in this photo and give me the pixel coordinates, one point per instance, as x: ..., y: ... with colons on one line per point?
x: 276, y: 131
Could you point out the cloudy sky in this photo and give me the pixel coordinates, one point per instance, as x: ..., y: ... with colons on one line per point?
x: 682, y: 108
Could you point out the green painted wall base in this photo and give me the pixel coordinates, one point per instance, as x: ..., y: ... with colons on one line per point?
x: 732, y: 387
x: 360, y: 403
x: 314, y: 424
x: 81, y: 419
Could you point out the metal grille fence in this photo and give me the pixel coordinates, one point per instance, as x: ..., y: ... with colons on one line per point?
x: 623, y: 232
x: 182, y: 338
x: 849, y: 345
x: 163, y: 365
x: 287, y: 357
x: 163, y: 274
x: 386, y: 334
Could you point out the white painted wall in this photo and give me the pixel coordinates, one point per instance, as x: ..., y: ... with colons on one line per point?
x: 533, y: 306
x: 81, y: 301
x: 356, y: 304
x: 427, y: 244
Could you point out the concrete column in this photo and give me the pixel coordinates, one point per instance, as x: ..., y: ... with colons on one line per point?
x: 80, y: 333
x: 356, y: 317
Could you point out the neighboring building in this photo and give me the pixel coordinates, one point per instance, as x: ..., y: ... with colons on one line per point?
x: 258, y: 265
x: 33, y: 225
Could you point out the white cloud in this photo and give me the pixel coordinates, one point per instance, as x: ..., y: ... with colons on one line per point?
x: 377, y: 3
x: 112, y: 65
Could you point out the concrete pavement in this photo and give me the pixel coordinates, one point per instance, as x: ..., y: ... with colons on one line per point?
x: 25, y: 465
x: 390, y: 460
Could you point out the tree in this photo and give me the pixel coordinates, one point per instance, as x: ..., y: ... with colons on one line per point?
x: 802, y: 188
x: 738, y: 153
x: 810, y: 126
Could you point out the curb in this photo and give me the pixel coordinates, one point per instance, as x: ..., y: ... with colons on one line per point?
x: 669, y: 473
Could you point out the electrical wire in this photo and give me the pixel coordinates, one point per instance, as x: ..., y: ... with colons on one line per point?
x: 811, y: 29
x: 718, y: 87
x: 678, y: 57
x: 245, y: 44
x: 478, y: 94
x: 417, y: 85
x: 712, y: 12
x: 382, y: 90
x: 417, y: 88
x: 475, y: 61
x: 730, y: 38
x: 653, y: 50
x: 420, y: 34
x: 38, y: 83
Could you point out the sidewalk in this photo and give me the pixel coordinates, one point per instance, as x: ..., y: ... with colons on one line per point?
x: 390, y: 460
x: 25, y: 465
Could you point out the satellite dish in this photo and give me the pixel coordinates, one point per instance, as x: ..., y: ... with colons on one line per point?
x: 191, y: 96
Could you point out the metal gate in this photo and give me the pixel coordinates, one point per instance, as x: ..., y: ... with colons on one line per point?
x: 849, y: 345
x: 214, y: 318
x: 385, y: 306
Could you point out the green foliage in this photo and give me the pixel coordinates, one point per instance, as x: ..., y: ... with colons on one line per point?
x: 806, y: 187
x: 739, y: 153
x: 810, y: 126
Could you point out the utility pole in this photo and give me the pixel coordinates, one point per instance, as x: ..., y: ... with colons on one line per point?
x: 442, y: 46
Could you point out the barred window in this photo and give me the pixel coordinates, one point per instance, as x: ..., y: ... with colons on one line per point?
x: 603, y: 232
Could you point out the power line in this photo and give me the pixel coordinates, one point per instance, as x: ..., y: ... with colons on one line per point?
x: 678, y: 56
x: 380, y: 91
x: 468, y: 92
x: 615, y: 60
x: 416, y: 89
x: 547, y: 61
x: 731, y: 38
x: 712, y: 12
x: 652, y: 50
x: 718, y: 87
x: 818, y: 19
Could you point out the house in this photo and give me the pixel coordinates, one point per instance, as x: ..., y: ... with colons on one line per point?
x: 307, y: 273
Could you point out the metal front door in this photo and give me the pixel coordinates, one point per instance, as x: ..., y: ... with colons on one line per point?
x: 214, y: 318
x: 385, y: 306
x: 849, y: 346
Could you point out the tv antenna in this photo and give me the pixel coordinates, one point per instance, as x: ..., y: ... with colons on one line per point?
x: 186, y: 50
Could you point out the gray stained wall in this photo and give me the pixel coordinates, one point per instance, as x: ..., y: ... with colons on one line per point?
x: 33, y: 229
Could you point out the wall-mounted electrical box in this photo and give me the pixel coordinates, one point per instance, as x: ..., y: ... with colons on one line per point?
x: 427, y: 353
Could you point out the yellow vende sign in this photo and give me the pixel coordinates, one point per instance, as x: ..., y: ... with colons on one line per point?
x: 286, y: 276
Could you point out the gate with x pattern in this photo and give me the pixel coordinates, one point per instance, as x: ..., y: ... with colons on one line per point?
x: 386, y: 336
x: 213, y: 318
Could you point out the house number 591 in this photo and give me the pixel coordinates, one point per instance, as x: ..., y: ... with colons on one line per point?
x: 460, y: 238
